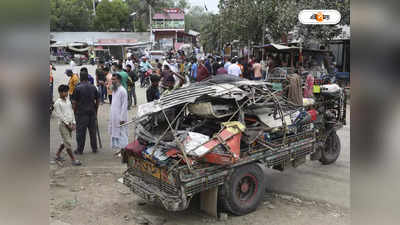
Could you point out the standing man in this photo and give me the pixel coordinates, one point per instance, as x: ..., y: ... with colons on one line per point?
x: 132, y: 91
x: 129, y: 54
x: 167, y: 79
x: 227, y: 63
x: 91, y: 79
x: 202, y: 72
x: 73, y: 82
x: 208, y: 64
x: 130, y: 62
x: 159, y: 67
x: 187, y: 68
x: 108, y: 83
x: 173, y: 65
x: 234, y: 68
x: 124, y: 77
x: 118, y: 115
x: 216, y: 65
x: 85, y: 102
x: 193, y: 71
x: 257, y: 70
x: 153, y: 92
x: 100, y: 80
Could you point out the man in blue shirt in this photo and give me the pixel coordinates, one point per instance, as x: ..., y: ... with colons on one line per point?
x: 227, y: 63
x: 208, y: 64
x: 193, y: 71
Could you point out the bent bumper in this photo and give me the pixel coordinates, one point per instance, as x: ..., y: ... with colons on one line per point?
x: 153, y: 194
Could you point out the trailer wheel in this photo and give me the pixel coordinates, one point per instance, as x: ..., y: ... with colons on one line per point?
x: 243, y: 192
x: 331, y: 150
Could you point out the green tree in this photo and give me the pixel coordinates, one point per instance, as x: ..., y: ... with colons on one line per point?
x: 323, y: 34
x: 182, y: 4
x: 71, y: 15
x: 112, y: 16
x: 194, y: 18
x: 250, y: 21
x: 210, y: 37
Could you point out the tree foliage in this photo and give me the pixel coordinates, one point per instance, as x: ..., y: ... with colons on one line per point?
x: 182, y: 4
x: 248, y: 21
x: 77, y: 15
x: 195, y: 18
x: 71, y: 15
x: 323, y: 33
x: 112, y: 16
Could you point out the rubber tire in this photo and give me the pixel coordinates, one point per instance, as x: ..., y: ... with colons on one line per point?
x: 229, y: 201
x: 326, y: 158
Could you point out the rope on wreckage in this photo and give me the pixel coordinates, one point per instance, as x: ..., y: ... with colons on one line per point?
x: 179, y: 144
x: 166, y: 130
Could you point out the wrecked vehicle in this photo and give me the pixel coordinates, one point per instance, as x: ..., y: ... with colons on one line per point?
x: 212, y: 138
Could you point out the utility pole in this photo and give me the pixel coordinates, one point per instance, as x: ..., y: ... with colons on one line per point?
x: 94, y: 7
x: 263, y: 42
x: 151, y: 30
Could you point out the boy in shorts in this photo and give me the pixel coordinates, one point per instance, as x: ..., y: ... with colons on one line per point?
x: 66, y: 123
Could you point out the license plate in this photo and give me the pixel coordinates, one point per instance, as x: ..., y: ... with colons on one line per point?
x: 147, y: 167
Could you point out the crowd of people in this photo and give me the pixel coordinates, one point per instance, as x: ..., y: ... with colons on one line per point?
x: 79, y: 100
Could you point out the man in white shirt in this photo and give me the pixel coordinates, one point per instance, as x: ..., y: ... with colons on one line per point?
x: 129, y: 61
x: 227, y: 63
x: 129, y: 54
x: 234, y: 68
x: 118, y: 115
x: 174, y: 66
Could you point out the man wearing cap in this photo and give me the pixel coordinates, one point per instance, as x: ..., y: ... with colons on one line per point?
x: 118, y: 114
x: 73, y: 81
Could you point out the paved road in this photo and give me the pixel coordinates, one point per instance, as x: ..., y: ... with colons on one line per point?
x: 314, y: 181
x: 310, y: 181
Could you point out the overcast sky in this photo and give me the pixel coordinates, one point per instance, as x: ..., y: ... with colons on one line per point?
x: 212, y: 5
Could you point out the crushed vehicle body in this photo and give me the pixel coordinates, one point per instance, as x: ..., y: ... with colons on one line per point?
x: 215, y: 134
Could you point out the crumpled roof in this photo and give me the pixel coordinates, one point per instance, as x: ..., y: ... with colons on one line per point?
x: 222, y: 86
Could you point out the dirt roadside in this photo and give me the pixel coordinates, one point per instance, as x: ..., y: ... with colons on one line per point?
x: 93, y: 196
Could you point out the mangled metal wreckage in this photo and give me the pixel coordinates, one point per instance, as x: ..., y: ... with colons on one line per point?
x: 214, y: 135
